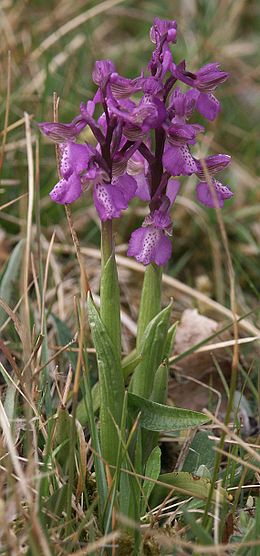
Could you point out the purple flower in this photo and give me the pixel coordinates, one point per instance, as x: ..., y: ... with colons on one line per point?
x: 182, y: 134
x: 74, y: 160
x: 63, y: 132
x: 183, y: 104
x: 121, y: 87
x: 102, y: 71
x: 149, y: 243
x: 163, y: 29
x: 138, y: 167
x: 205, y: 81
x: 163, y: 32
x: 111, y: 198
x: 138, y: 120
x: 209, y: 77
x: 214, y: 163
x: 205, y: 196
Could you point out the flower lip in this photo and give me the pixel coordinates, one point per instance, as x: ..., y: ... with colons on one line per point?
x: 204, y: 194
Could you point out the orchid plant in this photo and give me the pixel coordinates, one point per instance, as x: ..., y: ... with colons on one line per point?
x: 142, y: 140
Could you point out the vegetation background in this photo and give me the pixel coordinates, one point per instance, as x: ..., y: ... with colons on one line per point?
x: 51, y: 46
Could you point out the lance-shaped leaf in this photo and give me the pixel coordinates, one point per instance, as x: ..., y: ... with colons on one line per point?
x: 111, y: 384
x: 151, y: 299
x: 9, y: 279
x: 183, y: 483
x: 158, y: 417
x: 152, y: 348
x: 159, y: 395
x: 152, y: 471
x: 170, y: 340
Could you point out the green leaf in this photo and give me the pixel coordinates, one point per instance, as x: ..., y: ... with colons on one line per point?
x: 183, y: 483
x: 203, y: 537
x: 10, y: 278
x: 110, y: 302
x: 81, y: 412
x: 62, y: 435
x: 201, y: 452
x: 170, y: 340
x: 111, y: 385
x: 130, y: 362
x: 159, y: 395
x: 150, y: 300
x: 158, y: 417
x: 152, y: 471
x: 160, y: 386
x: 152, y: 349
x: 64, y: 338
x: 10, y: 394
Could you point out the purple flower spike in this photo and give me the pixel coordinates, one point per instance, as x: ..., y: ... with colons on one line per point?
x: 111, y: 198
x: 142, y: 139
x: 67, y: 191
x: 205, y: 196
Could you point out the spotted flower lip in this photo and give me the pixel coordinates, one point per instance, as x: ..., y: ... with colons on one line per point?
x: 74, y: 161
x: 179, y: 161
x: 67, y: 191
x: 151, y: 243
x: 204, y: 194
x: 111, y: 198
x: 74, y: 158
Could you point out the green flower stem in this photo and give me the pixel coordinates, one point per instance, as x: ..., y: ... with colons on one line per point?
x: 150, y: 300
x: 109, y: 288
x: 107, y: 243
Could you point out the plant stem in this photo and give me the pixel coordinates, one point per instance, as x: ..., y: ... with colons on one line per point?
x: 106, y: 241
